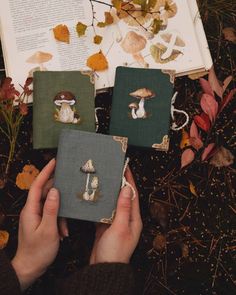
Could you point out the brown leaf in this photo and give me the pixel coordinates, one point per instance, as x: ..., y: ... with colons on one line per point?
x: 192, y: 189
x: 159, y: 242
x: 108, y: 18
x: 187, y: 157
x: 4, y: 237
x: 230, y: 34
x: 81, y: 29
x: 227, y: 99
x: 61, y: 33
x: 185, y: 139
x: 222, y: 158
x: 206, y: 87
x: 97, y: 62
x: 97, y: 39
x: 214, y: 82
x: 26, y: 177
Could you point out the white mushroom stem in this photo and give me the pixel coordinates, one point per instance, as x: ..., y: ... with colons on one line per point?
x: 87, y: 182
x: 140, y: 113
x: 133, y: 114
x: 170, y: 47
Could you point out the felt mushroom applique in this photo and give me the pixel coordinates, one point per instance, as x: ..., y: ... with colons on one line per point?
x: 65, y: 114
x: 138, y: 110
x: 88, y: 168
x: 134, y: 43
x: 39, y: 58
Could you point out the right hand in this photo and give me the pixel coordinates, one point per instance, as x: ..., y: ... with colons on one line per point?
x: 116, y: 243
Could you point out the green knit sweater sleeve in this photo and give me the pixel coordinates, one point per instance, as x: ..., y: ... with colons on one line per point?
x: 103, y: 278
x: 9, y: 284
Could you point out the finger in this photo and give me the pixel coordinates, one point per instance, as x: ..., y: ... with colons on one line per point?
x: 47, y: 187
x: 123, y: 209
x: 35, y: 193
x: 50, y: 210
x: 135, y: 211
x: 100, y: 229
x: 63, y: 228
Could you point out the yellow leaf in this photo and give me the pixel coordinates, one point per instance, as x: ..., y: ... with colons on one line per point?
x: 61, y: 33
x: 108, y: 18
x: 185, y: 139
x: 101, y: 24
x: 97, y: 39
x: 117, y: 4
x: 4, y: 237
x: 97, y: 62
x: 80, y: 29
x: 192, y: 189
x: 26, y: 177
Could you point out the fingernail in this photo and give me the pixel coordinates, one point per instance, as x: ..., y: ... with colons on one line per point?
x: 53, y: 194
x: 126, y: 192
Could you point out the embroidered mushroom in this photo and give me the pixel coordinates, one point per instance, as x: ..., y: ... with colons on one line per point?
x: 133, y: 106
x: 87, y: 168
x: 142, y: 94
x: 65, y: 99
x: 40, y: 58
x: 94, y: 186
x: 134, y: 43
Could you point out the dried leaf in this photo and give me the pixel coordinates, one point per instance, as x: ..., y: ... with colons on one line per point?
x: 230, y: 34
x: 227, y: 82
x: 26, y: 177
x: 117, y: 4
x: 209, y: 105
x: 192, y: 189
x: 156, y: 26
x: 108, y: 18
x: 97, y: 62
x: 196, y: 143
x: 97, y: 39
x: 158, y: 49
x: 198, y: 75
x: 227, y: 99
x: 61, y: 33
x: 202, y: 121
x: 187, y: 157
x: 214, y: 82
x: 101, y: 24
x: 207, y: 151
x: 194, y: 130
x: 81, y: 29
x: 222, y: 158
x: 185, y: 139
x: 206, y: 87
x: 4, y: 237
x: 159, y: 242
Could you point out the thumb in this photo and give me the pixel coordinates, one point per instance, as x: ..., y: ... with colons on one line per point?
x: 50, y: 209
x: 124, y: 206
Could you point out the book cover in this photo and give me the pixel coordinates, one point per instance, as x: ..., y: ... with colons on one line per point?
x: 89, y: 174
x: 141, y: 107
x: 61, y: 100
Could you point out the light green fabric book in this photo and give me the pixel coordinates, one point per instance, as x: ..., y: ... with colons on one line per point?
x: 61, y: 100
x: 89, y: 174
x: 141, y: 105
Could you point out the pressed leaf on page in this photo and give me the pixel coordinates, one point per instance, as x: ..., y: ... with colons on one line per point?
x: 61, y: 33
x: 97, y: 62
x: 81, y: 29
x: 97, y: 39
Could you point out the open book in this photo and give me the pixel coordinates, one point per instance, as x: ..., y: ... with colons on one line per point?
x: 29, y: 44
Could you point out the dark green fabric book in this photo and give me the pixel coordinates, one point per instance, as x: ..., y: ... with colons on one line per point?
x: 141, y: 105
x: 88, y: 174
x: 61, y: 100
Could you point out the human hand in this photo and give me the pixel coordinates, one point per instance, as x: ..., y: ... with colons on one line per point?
x: 116, y: 243
x: 38, y: 237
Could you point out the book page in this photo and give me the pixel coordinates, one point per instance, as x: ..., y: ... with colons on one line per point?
x: 26, y: 31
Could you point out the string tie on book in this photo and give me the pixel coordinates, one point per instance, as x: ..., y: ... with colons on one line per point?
x: 174, y: 110
x: 125, y: 182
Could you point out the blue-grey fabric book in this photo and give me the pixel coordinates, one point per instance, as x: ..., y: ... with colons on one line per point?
x: 88, y: 175
x: 141, y: 105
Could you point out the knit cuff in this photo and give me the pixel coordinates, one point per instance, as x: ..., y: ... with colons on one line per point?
x: 9, y: 283
x: 102, y: 278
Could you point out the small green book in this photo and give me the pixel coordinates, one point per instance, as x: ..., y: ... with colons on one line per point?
x: 88, y: 174
x: 141, y: 105
x: 61, y: 100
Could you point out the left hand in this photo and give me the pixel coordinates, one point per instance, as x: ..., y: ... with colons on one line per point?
x: 38, y: 237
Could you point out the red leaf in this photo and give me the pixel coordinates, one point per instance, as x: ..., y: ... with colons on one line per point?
x: 214, y: 82
x: 207, y: 151
x: 203, y: 121
x: 187, y: 157
x: 194, y: 130
x: 206, y: 87
x: 209, y: 105
x: 227, y: 99
x: 226, y: 82
x: 196, y: 142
